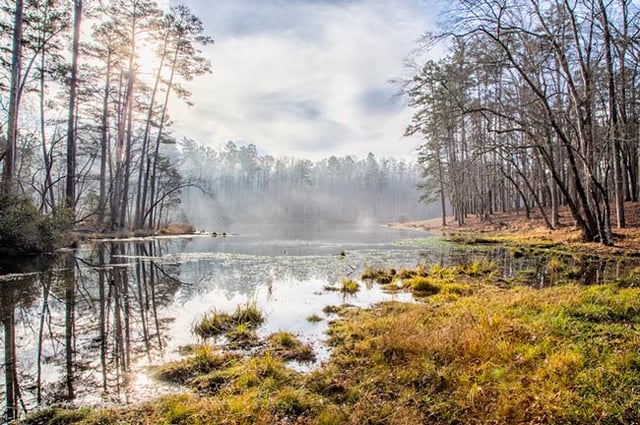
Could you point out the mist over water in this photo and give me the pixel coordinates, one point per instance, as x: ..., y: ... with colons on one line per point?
x: 239, y: 185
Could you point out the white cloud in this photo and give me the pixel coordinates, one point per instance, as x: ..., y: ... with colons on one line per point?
x: 304, y: 78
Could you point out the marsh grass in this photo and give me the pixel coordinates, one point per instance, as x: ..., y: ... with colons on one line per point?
x: 216, y: 323
x: 314, y: 318
x: 349, y: 286
x: 288, y: 346
x: 424, y: 285
x: 379, y: 275
x: 473, y: 353
x: 203, y: 360
x: 243, y: 337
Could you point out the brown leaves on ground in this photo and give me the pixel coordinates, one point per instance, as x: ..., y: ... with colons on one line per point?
x: 516, y: 224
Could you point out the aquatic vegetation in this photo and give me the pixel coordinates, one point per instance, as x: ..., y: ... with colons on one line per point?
x: 213, y: 324
x: 422, y: 284
x: 242, y: 337
x: 555, y: 265
x: 420, y: 270
x: 468, y: 238
x: 561, y: 354
x: 478, y: 268
x: 382, y: 276
x: 445, y: 273
x: 248, y: 314
x: 289, y: 347
x: 203, y: 360
x: 331, y: 309
x: 216, y: 323
x: 349, y: 286
x: 314, y: 318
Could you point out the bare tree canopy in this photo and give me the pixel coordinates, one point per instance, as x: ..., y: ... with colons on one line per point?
x: 535, y: 106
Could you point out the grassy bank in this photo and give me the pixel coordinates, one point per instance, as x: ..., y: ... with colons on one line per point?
x: 470, y: 352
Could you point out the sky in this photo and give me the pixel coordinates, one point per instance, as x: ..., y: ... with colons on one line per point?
x: 305, y: 78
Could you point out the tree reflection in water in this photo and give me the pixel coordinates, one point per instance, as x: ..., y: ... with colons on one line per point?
x: 84, y: 319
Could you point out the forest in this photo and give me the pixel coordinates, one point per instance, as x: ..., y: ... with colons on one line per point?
x: 237, y: 183
x: 85, y: 128
x: 534, y: 107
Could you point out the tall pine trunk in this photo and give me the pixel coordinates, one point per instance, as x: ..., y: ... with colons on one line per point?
x: 12, y: 127
x: 156, y: 153
x: 143, y: 177
x: 70, y: 192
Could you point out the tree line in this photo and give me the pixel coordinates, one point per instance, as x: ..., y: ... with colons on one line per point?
x: 84, y: 129
x: 241, y: 184
x: 534, y: 106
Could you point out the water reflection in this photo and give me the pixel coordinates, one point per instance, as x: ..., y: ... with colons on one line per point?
x: 82, y: 327
x: 79, y: 323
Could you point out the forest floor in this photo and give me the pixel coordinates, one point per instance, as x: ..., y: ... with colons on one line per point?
x: 516, y: 228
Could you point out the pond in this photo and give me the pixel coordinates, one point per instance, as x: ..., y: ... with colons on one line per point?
x: 86, y: 325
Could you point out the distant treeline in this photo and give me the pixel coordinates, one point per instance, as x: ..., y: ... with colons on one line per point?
x: 239, y: 184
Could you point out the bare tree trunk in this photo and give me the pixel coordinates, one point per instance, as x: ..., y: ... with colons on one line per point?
x: 443, y: 204
x: 127, y: 166
x: 117, y: 178
x: 46, y: 285
x: 159, y: 140
x: 14, y: 101
x: 11, y: 384
x: 71, y: 121
x: 48, y: 184
x: 104, y: 144
x: 143, y: 177
x: 613, y: 119
x: 69, y: 325
x: 102, y: 317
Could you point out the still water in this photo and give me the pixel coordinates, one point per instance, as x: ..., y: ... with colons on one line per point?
x: 86, y: 326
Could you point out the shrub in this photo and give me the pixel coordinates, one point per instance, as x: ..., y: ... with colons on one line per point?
x: 25, y: 230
